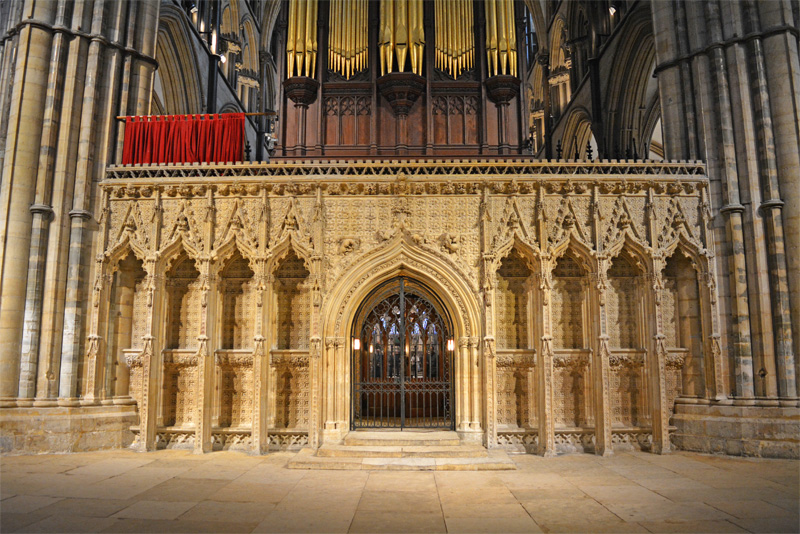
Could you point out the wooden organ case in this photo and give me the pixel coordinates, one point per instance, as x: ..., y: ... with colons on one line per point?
x: 401, y: 78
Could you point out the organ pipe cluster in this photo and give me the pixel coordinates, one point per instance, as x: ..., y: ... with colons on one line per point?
x: 401, y: 34
x: 301, y: 40
x: 501, y: 39
x: 347, y: 40
x: 455, y: 44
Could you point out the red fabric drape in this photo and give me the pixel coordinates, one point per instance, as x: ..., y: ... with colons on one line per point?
x: 184, y: 139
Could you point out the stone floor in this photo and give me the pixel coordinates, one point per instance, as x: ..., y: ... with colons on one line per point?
x: 177, y: 491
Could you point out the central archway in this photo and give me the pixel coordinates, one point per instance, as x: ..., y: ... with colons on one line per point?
x: 402, y: 359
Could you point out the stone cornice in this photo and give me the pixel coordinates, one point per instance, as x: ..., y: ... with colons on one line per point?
x: 412, y: 176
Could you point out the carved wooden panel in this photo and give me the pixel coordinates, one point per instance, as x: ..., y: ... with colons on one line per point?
x: 347, y: 120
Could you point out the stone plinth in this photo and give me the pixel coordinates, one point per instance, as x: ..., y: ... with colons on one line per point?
x: 762, y: 431
x: 63, y: 429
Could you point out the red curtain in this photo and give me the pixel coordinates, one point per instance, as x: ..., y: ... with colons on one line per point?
x: 184, y: 139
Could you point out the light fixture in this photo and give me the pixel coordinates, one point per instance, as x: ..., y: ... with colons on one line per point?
x: 223, y: 59
x: 192, y: 8
x: 356, y: 343
x: 451, y: 344
x: 612, y: 10
x: 370, y: 348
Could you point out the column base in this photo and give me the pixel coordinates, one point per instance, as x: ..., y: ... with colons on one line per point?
x: 740, y: 430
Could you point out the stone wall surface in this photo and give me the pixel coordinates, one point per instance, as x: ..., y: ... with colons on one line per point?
x: 770, y: 432
x: 63, y: 429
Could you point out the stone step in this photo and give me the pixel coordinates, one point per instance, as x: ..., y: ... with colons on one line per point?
x: 368, y: 438
x: 495, y: 460
x: 410, y: 451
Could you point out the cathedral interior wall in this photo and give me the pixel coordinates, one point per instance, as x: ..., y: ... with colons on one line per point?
x: 610, y: 294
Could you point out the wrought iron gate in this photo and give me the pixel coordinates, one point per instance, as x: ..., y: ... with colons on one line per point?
x: 402, y: 353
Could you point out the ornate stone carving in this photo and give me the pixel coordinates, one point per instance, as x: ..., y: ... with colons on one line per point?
x: 451, y: 222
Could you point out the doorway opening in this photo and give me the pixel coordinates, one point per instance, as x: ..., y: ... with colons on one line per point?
x: 402, y: 358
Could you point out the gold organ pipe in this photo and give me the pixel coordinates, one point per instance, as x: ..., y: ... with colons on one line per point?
x: 491, y: 36
x: 454, y: 36
x: 301, y: 38
x: 401, y: 33
x: 419, y: 35
x: 501, y: 41
x: 290, y: 39
x: 310, y: 37
x: 299, y: 41
x: 512, y: 39
x: 347, y: 41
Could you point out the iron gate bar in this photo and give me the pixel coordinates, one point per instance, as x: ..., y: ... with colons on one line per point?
x: 388, y: 380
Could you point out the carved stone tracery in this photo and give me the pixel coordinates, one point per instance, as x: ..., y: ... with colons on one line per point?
x: 323, y: 233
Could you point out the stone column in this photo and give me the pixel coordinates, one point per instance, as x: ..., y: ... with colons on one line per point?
x: 781, y: 73
x: 328, y: 389
x: 547, y: 439
x: 476, y: 396
x: 97, y: 346
x: 490, y: 383
x: 716, y: 387
x: 771, y: 209
x: 17, y: 191
x: 205, y: 358
x: 150, y: 358
x: 656, y: 360
x: 314, y: 372
x: 261, y: 344
x: 343, y: 348
x: 463, y: 384
x: 601, y: 355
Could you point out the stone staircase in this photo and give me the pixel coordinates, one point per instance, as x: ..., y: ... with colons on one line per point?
x: 406, y: 450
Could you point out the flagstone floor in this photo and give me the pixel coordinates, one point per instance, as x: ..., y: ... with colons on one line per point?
x: 177, y: 491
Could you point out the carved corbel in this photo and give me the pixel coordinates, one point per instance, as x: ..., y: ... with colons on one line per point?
x: 489, y: 351
x: 316, y: 344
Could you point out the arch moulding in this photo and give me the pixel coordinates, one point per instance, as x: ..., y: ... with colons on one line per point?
x: 399, y: 257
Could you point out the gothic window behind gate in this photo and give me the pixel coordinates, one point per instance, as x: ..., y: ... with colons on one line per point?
x: 402, y: 353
